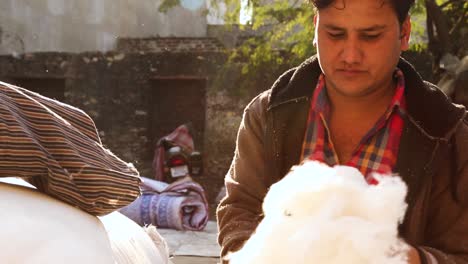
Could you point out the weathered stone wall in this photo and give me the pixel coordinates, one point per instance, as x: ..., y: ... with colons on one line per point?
x: 172, y: 44
x: 113, y: 89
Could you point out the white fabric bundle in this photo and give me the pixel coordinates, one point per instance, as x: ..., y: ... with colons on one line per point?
x: 319, y: 214
x: 36, y: 228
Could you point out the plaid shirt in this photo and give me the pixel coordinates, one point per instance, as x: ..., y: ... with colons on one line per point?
x: 377, y: 150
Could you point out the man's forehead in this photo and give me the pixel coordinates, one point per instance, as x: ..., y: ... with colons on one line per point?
x: 360, y: 14
x: 342, y: 4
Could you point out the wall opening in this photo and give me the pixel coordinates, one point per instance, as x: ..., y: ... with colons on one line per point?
x: 173, y: 102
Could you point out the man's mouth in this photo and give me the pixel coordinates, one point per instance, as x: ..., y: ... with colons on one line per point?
x: 350, y: 72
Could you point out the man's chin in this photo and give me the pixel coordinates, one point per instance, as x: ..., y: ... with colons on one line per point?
x: 352, y: 89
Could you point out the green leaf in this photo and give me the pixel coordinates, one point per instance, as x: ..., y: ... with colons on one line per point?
x: 166, y: 5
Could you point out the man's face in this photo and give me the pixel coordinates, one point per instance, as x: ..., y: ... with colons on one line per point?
x: 359, y: 44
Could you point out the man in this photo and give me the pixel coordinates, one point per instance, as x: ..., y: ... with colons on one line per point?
x: 55, y: 147
x: 358, y: 103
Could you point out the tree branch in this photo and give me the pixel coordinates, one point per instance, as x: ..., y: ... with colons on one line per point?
x: 459, y: 22
x: 440, y: 22
x: 430, y: 32
x: 442, y: 6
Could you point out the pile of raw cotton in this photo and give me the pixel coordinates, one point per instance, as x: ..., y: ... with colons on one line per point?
x: 319, y: 214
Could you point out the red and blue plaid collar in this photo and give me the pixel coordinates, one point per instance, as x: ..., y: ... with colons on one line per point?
x: 321, y: 104
x: 378, y: 149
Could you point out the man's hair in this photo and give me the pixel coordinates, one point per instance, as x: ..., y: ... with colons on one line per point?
x: 401, y: 7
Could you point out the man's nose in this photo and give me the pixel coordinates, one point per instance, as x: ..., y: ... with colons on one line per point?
x: 352, y: 51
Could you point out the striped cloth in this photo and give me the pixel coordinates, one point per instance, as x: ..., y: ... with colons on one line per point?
x: 57, y: 149
x: 377, y: 150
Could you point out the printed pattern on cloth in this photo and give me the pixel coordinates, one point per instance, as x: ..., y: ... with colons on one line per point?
x: 181, y: 205
x: 378, y: 149
x: 56, y: 148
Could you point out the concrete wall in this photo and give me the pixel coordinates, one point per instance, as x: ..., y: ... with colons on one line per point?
x: 90, y: 25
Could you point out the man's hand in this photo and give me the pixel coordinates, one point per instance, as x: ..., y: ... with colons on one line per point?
x: 413, y: 256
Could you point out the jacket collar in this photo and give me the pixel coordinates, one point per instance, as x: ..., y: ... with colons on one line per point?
x: 428, y: 107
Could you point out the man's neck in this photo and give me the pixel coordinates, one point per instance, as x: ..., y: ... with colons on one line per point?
x: 352, y: 117
x: 369, y: 106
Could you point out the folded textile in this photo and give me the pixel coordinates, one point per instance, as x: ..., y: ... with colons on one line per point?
x: 181, y: 205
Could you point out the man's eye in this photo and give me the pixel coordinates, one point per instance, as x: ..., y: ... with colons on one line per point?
x: 370, y: 36
x: 336, y: 35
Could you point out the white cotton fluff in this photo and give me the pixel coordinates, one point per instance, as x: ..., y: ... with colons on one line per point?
x: 319, y: 214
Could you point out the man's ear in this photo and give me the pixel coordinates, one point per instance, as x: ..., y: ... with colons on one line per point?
x: 405, y: 34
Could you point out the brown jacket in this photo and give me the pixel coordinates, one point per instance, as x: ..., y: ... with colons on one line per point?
x: 432, y: 160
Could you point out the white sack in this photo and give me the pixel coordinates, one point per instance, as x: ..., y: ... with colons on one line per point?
x: 38, y: 229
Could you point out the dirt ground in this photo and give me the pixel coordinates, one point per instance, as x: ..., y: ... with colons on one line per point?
x: 194, y: 260
x: 192, y: 247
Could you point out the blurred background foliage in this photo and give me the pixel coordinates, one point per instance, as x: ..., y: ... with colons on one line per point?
x: 282, y: 32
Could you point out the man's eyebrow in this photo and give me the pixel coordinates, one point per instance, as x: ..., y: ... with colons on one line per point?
x: 333, y: 27
x: 366, y: 29
x: 372, y: 28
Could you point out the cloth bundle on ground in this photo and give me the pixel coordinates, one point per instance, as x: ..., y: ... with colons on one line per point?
x: 319, y: 214
x: 181, y: 205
